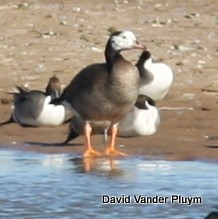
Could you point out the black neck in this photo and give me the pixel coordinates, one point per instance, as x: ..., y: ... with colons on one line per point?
x: 111, y: 55
x: 140, y: 64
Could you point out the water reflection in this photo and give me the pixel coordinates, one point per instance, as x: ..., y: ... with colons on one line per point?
x: 37, y: 185
x: 99, y: 166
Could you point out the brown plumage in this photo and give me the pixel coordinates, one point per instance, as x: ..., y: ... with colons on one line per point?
x: 105, y: 91
x: 53, y: 87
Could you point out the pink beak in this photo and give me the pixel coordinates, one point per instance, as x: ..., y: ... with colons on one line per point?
x: 139, y: 46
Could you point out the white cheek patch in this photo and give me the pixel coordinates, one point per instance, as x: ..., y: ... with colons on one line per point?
x: 129, y: 35
x: 117, y: 43
x: 123, y: 41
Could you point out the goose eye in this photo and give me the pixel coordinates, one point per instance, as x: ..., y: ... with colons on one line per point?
x: 124, y: 37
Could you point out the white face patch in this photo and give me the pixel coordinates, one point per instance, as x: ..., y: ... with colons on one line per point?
x: 125, y: 40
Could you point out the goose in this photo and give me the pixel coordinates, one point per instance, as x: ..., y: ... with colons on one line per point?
x: 155, y: 78
x: 105, y: 91
x: 33, y: 108
x: 142, y: 120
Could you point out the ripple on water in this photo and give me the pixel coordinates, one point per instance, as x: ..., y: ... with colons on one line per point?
x: 37, y: 185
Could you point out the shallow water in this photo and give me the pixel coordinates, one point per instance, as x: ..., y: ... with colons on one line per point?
x: 37, y: 185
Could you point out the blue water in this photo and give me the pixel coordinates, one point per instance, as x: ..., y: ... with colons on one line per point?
x: 34, y: 185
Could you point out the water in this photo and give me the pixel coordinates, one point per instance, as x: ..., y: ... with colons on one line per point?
x: 34, y: 185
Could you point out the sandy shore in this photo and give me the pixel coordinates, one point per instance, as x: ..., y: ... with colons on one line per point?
x: 44, y: 38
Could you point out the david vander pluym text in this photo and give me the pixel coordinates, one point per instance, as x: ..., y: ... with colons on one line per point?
x: 157, y: 199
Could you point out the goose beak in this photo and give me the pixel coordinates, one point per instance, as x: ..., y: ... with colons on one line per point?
x: 139, y: 46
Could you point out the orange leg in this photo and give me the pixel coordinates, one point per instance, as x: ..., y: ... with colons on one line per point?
x: 111, y: 147
x: 90, y: 152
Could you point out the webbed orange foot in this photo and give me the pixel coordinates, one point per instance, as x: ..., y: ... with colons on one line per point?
x: 112, y: 152
x: 92, y: 153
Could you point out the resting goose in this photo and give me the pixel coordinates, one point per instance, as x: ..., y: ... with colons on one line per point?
x: 105, y: 91
x: 155, y: 78
x: 142, y: 120
x: 33, y: 108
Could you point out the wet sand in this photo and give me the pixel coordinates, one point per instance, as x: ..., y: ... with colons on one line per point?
x: 44, y: 38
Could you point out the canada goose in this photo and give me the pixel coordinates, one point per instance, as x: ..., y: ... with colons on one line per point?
x: 33, y: 108
x: 155, y: 78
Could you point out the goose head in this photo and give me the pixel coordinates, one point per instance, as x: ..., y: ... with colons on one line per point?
x: 143, y: 102
x: 120, y: 41
x: 124, y: 40
x: 53, y: 88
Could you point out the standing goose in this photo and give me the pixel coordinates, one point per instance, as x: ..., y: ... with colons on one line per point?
x: 33, y: 108
x: 105, y: 91
x: 155, y: 78
x: 142, y: 120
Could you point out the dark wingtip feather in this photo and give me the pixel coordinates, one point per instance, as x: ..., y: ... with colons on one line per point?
x: 71, y: 136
